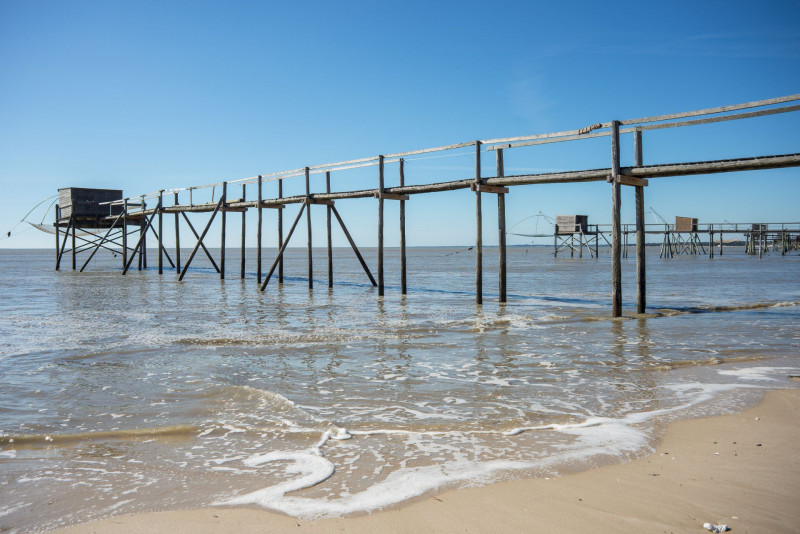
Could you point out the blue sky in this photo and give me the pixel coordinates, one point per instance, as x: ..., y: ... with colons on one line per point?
x: 149, y: 95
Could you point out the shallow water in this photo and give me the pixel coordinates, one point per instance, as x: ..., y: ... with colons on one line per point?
x: 132, y: 393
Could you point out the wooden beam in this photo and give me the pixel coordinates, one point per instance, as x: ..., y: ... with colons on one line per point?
x: 353, y: 245
x: 196, y: 236
x: 630, y: 180
x: 318, y: 201
x: 278, y: 261
x: 141, y: 243
x: 391, y: 196
x: 483, y: 188
x: 200, y: 239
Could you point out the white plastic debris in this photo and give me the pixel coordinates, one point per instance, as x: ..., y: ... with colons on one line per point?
x: 715, y: 528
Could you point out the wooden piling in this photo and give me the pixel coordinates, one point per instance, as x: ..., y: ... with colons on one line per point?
x: 74, y: 251
x: 280, y: 233
x: 258, y: 230
x: 58, y: 256
x: 143, y: 249
x: 177, y: 237
x: 380, y: 226
x: 224, y: 199
x: 328, y: 227
x: 403, y: 285
x: 308, y: 224
x: 501, y: 228
x: 641, y: 270
x: 160, y: 233
x: 478, y: 229
x: 125, y: 232
x: 242, y: 259
x: 616, y: 251
x: 711, y: 241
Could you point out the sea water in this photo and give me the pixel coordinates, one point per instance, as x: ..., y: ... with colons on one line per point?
x: 122, y: 394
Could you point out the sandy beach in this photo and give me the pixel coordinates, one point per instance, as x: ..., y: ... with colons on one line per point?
x: 742, y: 470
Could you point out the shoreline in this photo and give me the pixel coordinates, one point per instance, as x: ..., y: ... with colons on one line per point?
x: 741, y: 469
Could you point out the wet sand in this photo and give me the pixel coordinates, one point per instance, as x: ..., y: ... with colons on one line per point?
x: 742, y: 470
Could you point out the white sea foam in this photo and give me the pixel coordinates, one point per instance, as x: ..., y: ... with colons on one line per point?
x: 758, y: 373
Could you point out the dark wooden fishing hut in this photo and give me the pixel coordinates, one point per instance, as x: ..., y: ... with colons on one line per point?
x: 81, y: 212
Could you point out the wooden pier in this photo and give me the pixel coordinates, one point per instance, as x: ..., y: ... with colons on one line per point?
x: 141, y: 216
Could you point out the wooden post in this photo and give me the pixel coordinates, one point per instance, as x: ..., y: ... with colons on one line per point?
x: 160, y: 233
x: 74, y: 252
x: 224, y: 200
x: 403, y: 285
x: 258, y: 231
x: 380, y: 226
x: 124, y: 232
x: 243, y: 232
x: 63, y: 243
x: 478, y: 229
x: 501, y: 227
x: 58, y: 256
x: 330, y: 243
x: 720, y: 239
x: 143, y: 249
x: 177, y: 238
x: 308, y: 223
x: 139, y: 259
x: 616, y: 251
x: 641, y: 271
x: 280, y: 232
x: 711, y: 241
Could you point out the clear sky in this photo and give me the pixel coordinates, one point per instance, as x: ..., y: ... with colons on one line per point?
x: 147, y: 95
